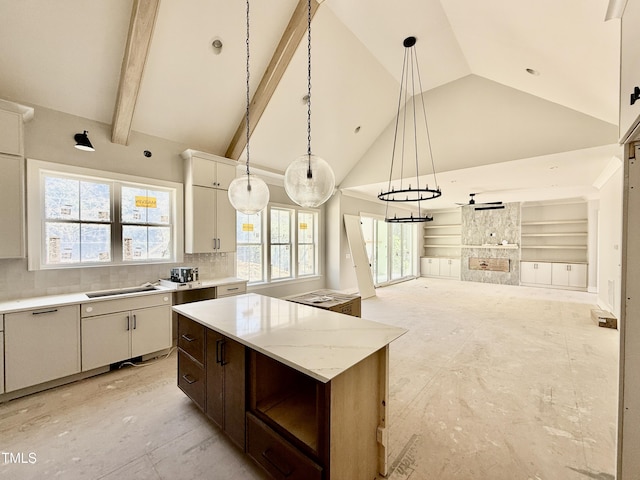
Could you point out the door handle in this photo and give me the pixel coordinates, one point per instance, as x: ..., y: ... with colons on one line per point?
x: 188, y: 378
x: 128, y: 323
x: 188, y: 338
x: 218, y: 351
x: 135, y: 322
x: 45, y: 311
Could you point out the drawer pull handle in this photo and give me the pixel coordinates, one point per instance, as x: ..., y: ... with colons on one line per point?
x: 188, y: 338
x: 277, y: 462
x: 54, y: 310
x: 232, y: 289
x: 135, y: 322
x: 189, y: 379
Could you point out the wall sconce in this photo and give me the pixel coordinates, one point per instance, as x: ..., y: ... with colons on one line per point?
x: 83, y: 142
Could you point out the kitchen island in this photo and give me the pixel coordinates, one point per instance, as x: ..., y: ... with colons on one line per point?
x: 304, y: 391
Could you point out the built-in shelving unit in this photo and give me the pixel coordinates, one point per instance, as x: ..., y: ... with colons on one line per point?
x: 554, y: 245
x: 442, y: 235
x: 555, y: 232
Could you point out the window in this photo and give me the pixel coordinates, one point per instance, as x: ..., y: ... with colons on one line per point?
x: 80, y: 217
x: 289, y: 248
x: 250, y: 251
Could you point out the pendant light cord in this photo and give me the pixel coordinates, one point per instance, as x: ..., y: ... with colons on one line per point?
x: 309, y: 174
x: 248, y: 98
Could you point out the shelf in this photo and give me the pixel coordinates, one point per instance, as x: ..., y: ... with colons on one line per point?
x: 497, y: 247
x: 442, y: 246
x: 296, y: 412
x: 564, y: 234
x: 556, y: 247
x: 450, y: 225
x: 441, y: 236
x: 556, y: 222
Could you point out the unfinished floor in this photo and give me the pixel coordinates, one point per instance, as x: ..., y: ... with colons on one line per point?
x: 491, y: 382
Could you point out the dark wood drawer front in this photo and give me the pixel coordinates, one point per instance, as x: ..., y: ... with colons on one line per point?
x: 277, y: 456
x: 191, y: 379
x: 191, y: 338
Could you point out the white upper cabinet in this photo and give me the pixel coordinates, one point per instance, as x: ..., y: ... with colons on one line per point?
x: 11, y: 133
x: 210, y: 219
x: 630, y: 72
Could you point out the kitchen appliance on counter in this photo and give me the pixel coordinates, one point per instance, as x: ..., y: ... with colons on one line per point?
x: 184, y: 274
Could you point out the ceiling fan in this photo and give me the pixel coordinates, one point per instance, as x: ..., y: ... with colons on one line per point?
x: 482, y: 205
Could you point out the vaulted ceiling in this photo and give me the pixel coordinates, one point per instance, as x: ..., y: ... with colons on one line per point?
x: 484, y: 107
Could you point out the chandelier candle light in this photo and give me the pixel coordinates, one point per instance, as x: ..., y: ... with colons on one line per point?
x: 247, y: 193
x: 404, y: 193
x: 309, y: 180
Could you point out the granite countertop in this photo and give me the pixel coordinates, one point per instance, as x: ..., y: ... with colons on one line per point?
x: 48, y: 301
x: 317, y: 342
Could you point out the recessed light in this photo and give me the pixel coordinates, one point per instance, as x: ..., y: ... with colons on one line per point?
x: 533, y: 72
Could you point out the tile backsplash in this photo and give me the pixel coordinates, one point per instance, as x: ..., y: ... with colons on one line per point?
x: 17, y: 282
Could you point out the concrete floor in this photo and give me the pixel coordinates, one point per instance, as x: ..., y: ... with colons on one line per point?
x: 492, y: 382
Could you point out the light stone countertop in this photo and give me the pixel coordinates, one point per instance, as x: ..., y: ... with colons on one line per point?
x: 314, y: 341
x: 48, y: 301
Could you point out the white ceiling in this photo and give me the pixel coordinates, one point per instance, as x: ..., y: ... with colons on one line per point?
x: 66, y: 55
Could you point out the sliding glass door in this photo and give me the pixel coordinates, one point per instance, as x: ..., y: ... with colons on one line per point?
x: 391, y: 249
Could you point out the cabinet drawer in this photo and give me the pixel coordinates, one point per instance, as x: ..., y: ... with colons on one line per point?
x: 191, y: 338
x: 277, y: 456
x: 231, y: 289
x: 191, y: 379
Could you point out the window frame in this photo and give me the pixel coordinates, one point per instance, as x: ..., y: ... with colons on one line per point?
x: 266, y: 244
x: 36, y: 172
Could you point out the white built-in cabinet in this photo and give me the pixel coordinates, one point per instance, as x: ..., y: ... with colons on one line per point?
x: 120, y: 329
x: 572, y: 275
x: 210, y: 219
x: 535, y: 273
x: 440, y: 267
x: 12, y: 199
x: 41, y: 345
x: 629, y: 71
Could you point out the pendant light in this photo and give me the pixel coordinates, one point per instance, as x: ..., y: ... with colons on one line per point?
x: 309, y: 180
x: 404, y: 191
x: 247, y: 193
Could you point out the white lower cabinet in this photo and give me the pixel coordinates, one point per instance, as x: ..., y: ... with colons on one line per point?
x: 563, y: 275
x: 429, y: 267
x: 569, y: 275
x: 126, y: 333
x: 41, y: 345
x: 450, y: 267
x: 538, y: 273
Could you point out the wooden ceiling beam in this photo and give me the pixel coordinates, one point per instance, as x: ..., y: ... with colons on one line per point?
x: 280, y: 60
x: 143, y: 19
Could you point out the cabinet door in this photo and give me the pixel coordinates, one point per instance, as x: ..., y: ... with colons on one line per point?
x: 424, y: 266
x: 225, y: 175
x: 433, y: 267
x: 527, y: 272
x: 215, y: 380
x: 12, y: 211
x: 455, y: 267
x: 151, y: 330
x: 11, y: 133
x: 444, y: 267
x: 203, y: 232
x: 577, y: 275
x: 41, y: 345
x: 543, y: 273
x: 105, y: 339
x: 204, y: 172
x: 560, y: 274
x: 225, y: 223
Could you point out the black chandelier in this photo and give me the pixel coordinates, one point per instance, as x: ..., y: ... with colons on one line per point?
x: 405, y: 192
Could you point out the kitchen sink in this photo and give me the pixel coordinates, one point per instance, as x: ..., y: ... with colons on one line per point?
x: 120, y: 291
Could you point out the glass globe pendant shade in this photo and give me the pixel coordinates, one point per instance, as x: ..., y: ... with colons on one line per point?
x: 248, y: 194
x: 309, y: 181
